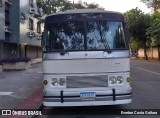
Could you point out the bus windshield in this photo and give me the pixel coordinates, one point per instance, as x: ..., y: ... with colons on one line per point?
x: 85, y: 36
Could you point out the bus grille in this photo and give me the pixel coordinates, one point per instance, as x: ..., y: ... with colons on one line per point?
x: 87, y: 81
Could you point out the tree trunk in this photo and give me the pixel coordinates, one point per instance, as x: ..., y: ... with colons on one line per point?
x: 145, y: 53
x: 159, y: 52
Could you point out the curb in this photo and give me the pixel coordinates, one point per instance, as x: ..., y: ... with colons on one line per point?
x: 148, y: 61
x: 32, y: 102
x: 0, y: 68
x: 39, y: 109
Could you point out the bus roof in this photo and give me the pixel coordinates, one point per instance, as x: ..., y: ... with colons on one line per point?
x: 81, y: 14
x: 77, y: 11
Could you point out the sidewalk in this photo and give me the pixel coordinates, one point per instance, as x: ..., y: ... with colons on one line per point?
x: 147, y: 61
x: 21, y: 89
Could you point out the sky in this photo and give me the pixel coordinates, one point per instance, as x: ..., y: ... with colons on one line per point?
x: 119, y: 5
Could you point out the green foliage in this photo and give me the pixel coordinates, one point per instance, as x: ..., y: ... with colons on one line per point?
x: 53, y: 6
x: 153, y: 32
x: 155, y: 4
x: 82, y: 5
x: 134, y: 45
x: 137, y: 23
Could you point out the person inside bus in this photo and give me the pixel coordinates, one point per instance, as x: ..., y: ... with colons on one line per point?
x: 58, y: 43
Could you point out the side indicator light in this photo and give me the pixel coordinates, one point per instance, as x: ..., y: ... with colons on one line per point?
x: 129, y: 79
x: 45, y: 82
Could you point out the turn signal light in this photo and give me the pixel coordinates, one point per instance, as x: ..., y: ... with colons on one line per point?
x: 45, y: 82
x: 129, y: 79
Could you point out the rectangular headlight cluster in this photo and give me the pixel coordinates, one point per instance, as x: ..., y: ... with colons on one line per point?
x: 58, y: 82
x: 115, y: 80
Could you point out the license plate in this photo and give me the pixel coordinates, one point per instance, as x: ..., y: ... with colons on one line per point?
x: 87, y: 95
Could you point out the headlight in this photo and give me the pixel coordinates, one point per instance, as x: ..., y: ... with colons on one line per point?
x: 112, y: 80
x: 119, y: 80
x: 116, y: 80
x: 62, y: 81
x: 54, y: 82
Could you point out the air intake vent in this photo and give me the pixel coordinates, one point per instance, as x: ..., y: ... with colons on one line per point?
x: 8, y: 2
x: 31, y: 34
x: 8, y: 29
x: 39, y: 37
x: 32, y: 11
x: 87, y: 81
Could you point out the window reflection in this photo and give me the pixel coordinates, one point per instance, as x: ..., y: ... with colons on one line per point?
x: 101, y: 34
x: 66, y: 35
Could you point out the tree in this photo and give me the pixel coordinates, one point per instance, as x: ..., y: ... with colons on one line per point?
x: 82, y: 5
x: 155, y: 4
x: 138, y: 22
x: 153, y: 32
x: 53, y: 6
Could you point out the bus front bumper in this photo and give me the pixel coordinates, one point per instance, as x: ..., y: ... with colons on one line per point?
x: 73, y: 98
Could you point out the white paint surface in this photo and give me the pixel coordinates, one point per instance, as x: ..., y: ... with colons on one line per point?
x: 6, y: 93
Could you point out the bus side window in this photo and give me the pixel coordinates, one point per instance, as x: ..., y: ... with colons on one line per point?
x: 42, y: 41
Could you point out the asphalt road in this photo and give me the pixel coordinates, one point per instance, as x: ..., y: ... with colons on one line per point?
x: 16, y: 86
x: 146, y: 95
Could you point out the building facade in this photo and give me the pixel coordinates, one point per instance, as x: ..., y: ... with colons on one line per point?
x: 20, y: 29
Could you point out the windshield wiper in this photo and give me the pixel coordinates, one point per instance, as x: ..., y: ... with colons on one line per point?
x: 63, y: 52
x: 105, y: 42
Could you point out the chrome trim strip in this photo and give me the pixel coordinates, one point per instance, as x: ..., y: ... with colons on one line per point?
x: 85, y: 58
x: 78, y: 99
x: 86, y: 55
x: 98, y: 93
x: 84, y: 73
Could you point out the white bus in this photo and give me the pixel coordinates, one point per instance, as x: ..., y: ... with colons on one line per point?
x: 86, y: 59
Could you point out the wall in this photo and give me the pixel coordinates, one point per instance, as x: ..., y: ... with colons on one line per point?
x: 20, y: 30
x: 152, y: 53
x: 24, y: 25
x: 39, y: 52
x: 1, y: 49
x: 10, y: 49
x: 9, y: 46
x: 22, y: 50
x: 32, y: 52
x: 32, y: 44
x: 2, y: 21
x: 14, y: 20
x: 141, y: 53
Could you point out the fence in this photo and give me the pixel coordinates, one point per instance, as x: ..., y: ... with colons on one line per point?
x: 152, y: 53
